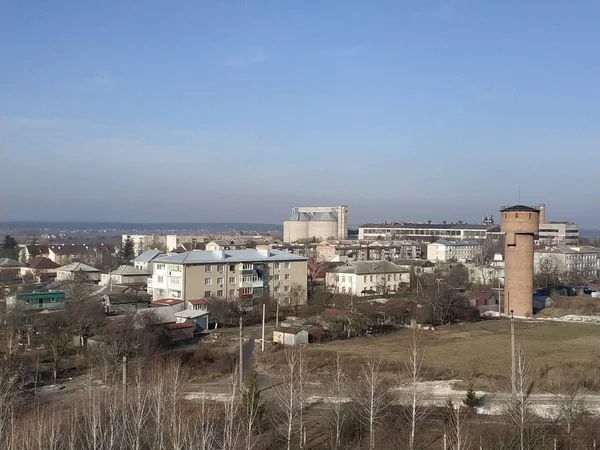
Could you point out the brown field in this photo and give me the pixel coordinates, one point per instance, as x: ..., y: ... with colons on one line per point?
x: 561, y: 354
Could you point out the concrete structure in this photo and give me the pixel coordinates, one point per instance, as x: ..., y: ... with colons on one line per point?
x: 125, y: 275
x: 367, y: 251
x: 316, y: 222
x: 556, y: 232
x: 458, y: 251
x: 144, y: 260
x: 404, y: 230
x: 69, y: 272
x: 232, y: 274
x: 366, y: 277
x: 569, y: 259
x: 519, y: 224
x: 294, y: 335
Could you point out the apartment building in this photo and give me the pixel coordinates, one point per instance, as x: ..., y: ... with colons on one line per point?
x: 366, y: 278
x: 233, y: 274
x: 420, y: 231
x: 460, y: 251
x: 583, y: 259
x: 558, y: 233
x: 366, y: 251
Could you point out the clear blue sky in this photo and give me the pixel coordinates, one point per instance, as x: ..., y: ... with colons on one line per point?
x: 237, y: 111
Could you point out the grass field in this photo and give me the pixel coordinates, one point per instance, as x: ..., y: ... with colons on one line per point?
x: 561, y: 354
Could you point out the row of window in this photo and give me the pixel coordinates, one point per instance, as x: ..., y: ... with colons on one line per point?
x: 370, y: 278
x: 232, y: 292
x: 221, y: 267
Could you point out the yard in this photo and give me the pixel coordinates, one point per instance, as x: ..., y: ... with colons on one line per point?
x: 561, y: 354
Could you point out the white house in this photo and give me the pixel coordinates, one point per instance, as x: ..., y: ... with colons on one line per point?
x: 367, y: 277
x: 144, y: 260
x: 76, y: 268
x: 460, y: 251
x: 125, y: 275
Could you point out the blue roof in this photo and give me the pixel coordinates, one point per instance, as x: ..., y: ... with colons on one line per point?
x: 228, y: 256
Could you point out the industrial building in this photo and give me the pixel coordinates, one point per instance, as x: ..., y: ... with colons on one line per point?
x: 316, y: 222
x: 559, y: 232
x: 459, y: 251
x: 519, y: 224
x: 404, y: 230
x: 565, y: 259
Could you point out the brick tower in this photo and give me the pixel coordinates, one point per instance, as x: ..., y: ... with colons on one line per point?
x: 519, y: 224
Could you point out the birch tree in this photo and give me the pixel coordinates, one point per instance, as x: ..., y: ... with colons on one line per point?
x: 415, y: 410
x: 371, y: 398
x: 458, y: 437
x: 337, y: 413
x: 519, y: 402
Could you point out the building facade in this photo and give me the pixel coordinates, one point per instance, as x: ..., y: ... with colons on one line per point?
x: 457, y: 251
x: 565, y: 259
x: 558, y: 233
x: 420, y: 231
x: 316, y: 222
x: 366, y: 278
x: 229, y: 274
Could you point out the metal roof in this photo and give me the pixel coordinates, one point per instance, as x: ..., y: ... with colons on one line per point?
x: 229, y: 256
x: 519, y: 208
x: 8, y: 263
x: 149, y: 255
x: 369, y: 267
x: 429, y: 226
x: 77, y: 267
x: 191, y: 313
x: 128, y: 271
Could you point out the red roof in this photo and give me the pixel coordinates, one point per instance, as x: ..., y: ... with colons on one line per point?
x: 333, y: 312
x: 199, y: 301
x: 178, y: 326
x: 42, y: 263
x: 166, y: 302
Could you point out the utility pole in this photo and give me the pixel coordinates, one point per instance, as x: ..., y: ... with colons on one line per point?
x: 277, y: 313
x: 512, y: 353
x: 124, y: 369
x: 263, y: 329
x: 241, y: 354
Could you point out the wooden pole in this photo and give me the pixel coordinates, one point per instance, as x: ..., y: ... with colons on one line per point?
x: 241, y: 354
x: 124, y: 370
x: 263, y: 328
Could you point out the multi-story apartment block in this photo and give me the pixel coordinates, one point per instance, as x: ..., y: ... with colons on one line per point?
x: 558, y: 233
x: 232, y: 274
x: 396, y: 230
x: 366, y: 251
x: 460, y: 251
x: 583, y: 259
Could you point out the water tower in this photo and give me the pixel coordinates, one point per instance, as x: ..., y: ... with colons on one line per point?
x: 519, y: 224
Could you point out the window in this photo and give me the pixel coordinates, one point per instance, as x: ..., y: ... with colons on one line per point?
x: 286, y: 289
x: 208, y: 268
x: 174, y: 268
x: 287, y: 277
x: 208, y: 281
x: 343, y: 278
x: 207, y: 294
x: 276, y: 289
x: 52, y: 299
x: 365, y: 279
x: 220, y: 294
x: 276, y: 277
x: 232, y: 279
x: 220, y: 268
x: 247, y: 266
x: 343, y: 290
x: 160, y: 279
x: 247, y: 290
x: 371, y: 278
x: 232, y: 268
x: 389, y: 277
x: 174, y: 280
x: 161, y: 266
x: 231, y: 293
x: 220, y: 280
x: 276, y: 266
x: 287, y: 265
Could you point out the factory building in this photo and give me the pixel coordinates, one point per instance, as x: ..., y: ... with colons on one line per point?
x: 520, y: 224
x: 316, y: 222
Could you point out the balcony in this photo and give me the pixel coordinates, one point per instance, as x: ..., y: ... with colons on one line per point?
x: 254, y: 282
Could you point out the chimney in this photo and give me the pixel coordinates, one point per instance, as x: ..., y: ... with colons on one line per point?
x: 219, y: 253
x: 542, y: 209
x: 265, y: 252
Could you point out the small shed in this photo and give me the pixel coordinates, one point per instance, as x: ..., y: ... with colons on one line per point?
x: 199, y: 318
x: 293, y: 335
x: 177, y: 331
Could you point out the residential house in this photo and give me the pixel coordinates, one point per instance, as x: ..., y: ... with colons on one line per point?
x: 92, y: 254
x: 144, y: 260
x: 46, y: 300
x: 68, y: 272
x: 233, y: 274
x: 123, y: 299
x: 453, y: 251
x: 40, y: 269
x: 564, y: 259
x: 198, y: 304
x: 9, y: 269
x: 367, y: 277
x: 222, y: 244
x: 417, y: 265
x: 125, y: 275
x: 28, y: 252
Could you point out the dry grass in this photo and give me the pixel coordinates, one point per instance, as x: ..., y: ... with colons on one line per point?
x: 580, y: 305
x: 478, y: 353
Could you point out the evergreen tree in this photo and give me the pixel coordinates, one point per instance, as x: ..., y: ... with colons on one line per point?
x: 471, y: 400
x: 10, y: 247
x: 127, y: 252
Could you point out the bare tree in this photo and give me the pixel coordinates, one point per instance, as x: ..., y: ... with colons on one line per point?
x: 382, y: 284
x: 457, y: 430
x: 231, y: 424
x: 483, y: 258
x: 416, y: 411
x: 288, y: 394
x: 519, y: 402
x: 371, y: 398
x: 296, y: 296
x: 547, y: 272
x: 253, y: 409
x: 336, y: 414
x: 570, y: 410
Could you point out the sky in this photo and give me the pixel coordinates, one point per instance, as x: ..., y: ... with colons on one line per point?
x: 213, y: 111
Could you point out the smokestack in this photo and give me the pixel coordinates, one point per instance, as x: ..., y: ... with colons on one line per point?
x: 542, y: 213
